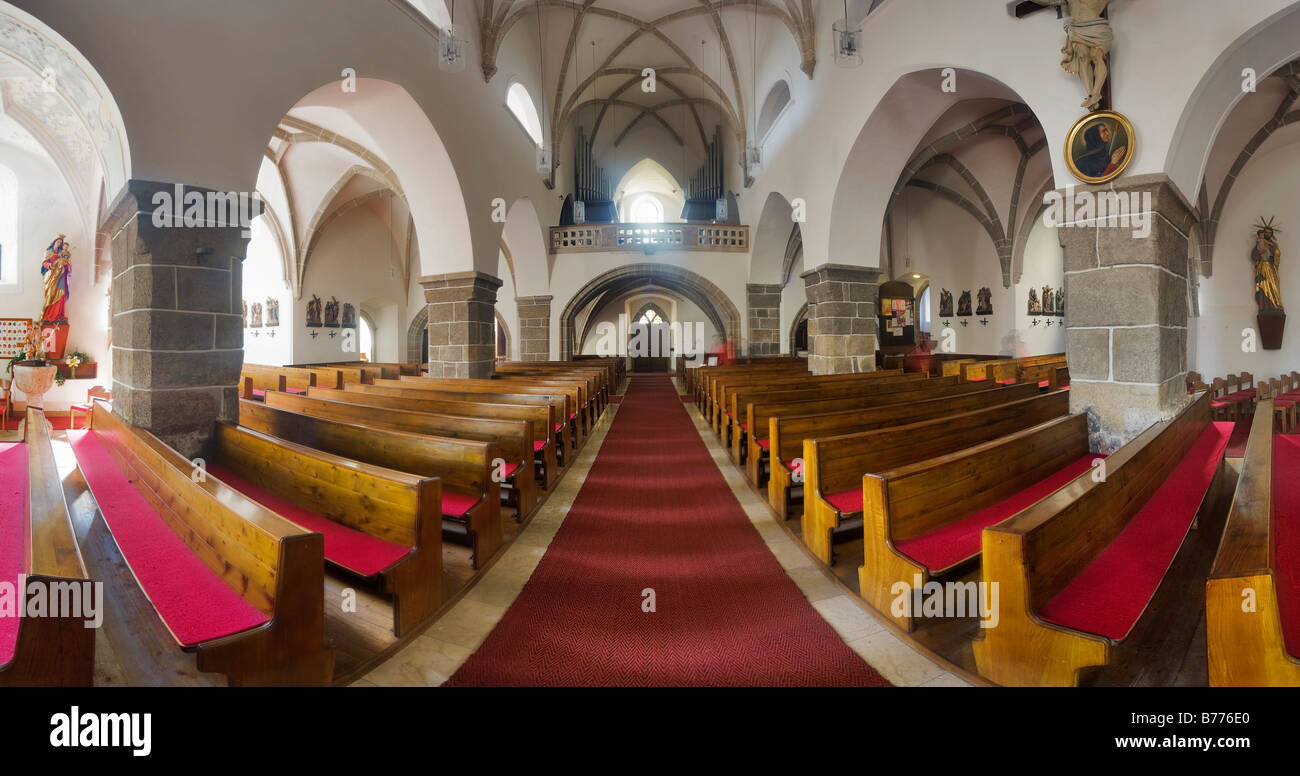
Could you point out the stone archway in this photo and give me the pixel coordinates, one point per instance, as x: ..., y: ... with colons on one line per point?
x: 708, y: 297
x: 415, y: 350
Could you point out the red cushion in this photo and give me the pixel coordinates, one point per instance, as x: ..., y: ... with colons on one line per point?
x: 295, y: 390
x: 846, y: 501
x: 1286, y: 537
x: 766, y: 444
x: 82, y: 407
x: 258, y: 392
x: 13, y: 534
x: 1219, y: 404
x: 1043, y: 383
x: 539, y: 445
x: 352, y: 549
x: 957, y: 541
x: 1009, y: 382
x: 744, y: 427
x: 1110, y: 594
x: 559, y: 426
x: 511, y: 468
x: 194, y: 603
x: 457, y: 504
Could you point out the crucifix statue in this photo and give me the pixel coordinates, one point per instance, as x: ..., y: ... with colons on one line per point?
x: 1088, y: 38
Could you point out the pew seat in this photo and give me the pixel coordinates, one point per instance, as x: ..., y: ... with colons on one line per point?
x: 1110, y: 594
x: 13, y: 524
x: 194, y: 603
x: 955, y: 543
x: 1082, y: 572
x: 354, y: 550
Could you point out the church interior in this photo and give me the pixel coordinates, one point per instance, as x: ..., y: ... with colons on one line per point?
x: 629, y: 343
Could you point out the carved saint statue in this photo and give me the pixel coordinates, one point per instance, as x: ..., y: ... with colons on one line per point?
x: 1088, y: 38
x: 1266, y: 257
x: 272, y: 311
x: 332, y: 313
x: 1049, y: 301
x: 313, y: 311
x: 1035, y: 307
x: 985, y: 306
x: 55, y: 271
x: 349, y: 316
x: 1060, y: 302
x: 945, y: 303
x: 257, y: 316
x: 963, y: 303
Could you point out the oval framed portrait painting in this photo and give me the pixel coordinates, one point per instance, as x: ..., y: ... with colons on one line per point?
x: 1100, y: 147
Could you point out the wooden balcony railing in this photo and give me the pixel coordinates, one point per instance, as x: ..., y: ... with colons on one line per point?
x: 589, y: 238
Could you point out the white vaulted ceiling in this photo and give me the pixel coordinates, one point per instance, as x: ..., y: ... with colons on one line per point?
x: 705, y: 54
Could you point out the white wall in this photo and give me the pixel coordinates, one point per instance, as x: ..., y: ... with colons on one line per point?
x: 351, y: 262
x: 264, y: 279
x: 1044, y: 265
x: 45, y: 210
x: 1265, y: 188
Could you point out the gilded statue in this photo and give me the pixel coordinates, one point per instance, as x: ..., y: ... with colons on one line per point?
x: 55, y: 272
x: 1266, y: 256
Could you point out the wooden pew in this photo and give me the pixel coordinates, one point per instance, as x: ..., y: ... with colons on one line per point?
x: 834, y: 465
x: 57, y: 650
x: 572, y: 392
x: 788, y: 431
x: 715, y: 402
x: 377, y: 522
x: 552, y: 404
x: 706, y: 375
x: 301, y: 377
x: 540, y: 416
x: 255, y: 385
x: 1078, y: 571
x: 924, y: 520
x: 513, y: 439
x: 1246, y: 621
x: 595, y: 396
x: 882, y: 389
x: 731, y: 413
x: 242, y: 587
x: 470, y: 498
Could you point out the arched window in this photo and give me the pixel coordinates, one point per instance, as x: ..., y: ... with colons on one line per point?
x: 647, y: 210
x: 923, y: 311
x: 773, y: 106
x: 651, y: 314
x: 520, y: 103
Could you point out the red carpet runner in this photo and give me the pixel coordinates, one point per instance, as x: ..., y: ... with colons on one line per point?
x: 656, y: 513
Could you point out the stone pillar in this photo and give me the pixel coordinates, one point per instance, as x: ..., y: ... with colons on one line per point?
x: 1126, y: 304
x: 462, y: 318
x: 178, y: 337
x: 534, y: 328
x: 764, y: 319
x: 842, y: 324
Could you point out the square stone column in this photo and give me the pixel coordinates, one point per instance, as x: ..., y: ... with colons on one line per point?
x: 462, y: 317
x: 534, y: 328
x: 178, y: 337
x: 842, y: 324
x: 1126, y: 303
x: 764, y: 301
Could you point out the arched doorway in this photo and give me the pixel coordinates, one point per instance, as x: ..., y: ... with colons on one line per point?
x: 711, y: 300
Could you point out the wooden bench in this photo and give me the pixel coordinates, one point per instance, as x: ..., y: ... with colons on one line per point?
x: 1252, y: 597
x: 230, y: 580
x: 376, y: 522
x: 325, y: 377
x: 924, y: 520
x: 716, y: 402
x: 756, y: 409
x: 1078, y: 570
x: 732, y: 412
x: 787, y: 430
x: 573, y: 392
x: 539, y: 416
x: 513, y: 439
x: 552, y: 404
x: 470, y: 498
x: 595, y: 392
x: 39, y: 547
x: 706, y: 375
x: 834, y: 466
x: 695, y: 376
